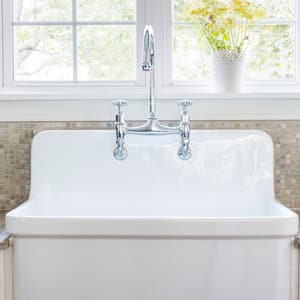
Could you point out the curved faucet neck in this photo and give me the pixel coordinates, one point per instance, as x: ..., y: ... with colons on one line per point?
x: 149, y: 49
x: 149, y: 65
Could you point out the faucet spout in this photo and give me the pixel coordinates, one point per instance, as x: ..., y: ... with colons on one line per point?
x: 149, y: 54
x: 149, y: 66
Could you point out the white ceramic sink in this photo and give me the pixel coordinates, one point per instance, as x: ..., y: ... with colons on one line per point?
x: 212, y: 215
x: 228, y: 179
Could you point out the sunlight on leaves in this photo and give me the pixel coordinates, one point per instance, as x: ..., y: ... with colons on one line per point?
x: 43, y: 53
x: 106, y: 52
x: 103, y: 10
x: 42, y: 10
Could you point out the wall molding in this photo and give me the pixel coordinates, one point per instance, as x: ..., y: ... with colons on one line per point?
x: 92, y: 109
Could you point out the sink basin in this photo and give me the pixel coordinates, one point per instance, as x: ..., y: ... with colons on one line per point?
x: 220, y: 201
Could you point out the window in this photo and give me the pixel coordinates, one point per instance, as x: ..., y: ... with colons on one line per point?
x: 50, y: 43
x: 82, y: 40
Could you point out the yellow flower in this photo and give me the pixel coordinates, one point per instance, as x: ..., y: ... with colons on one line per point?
x: 228, y: 22
x: 248, y: 10
x: 259, y: 13
x: 224, y: 24
x: 212, y: 18
x: 211, y: 25
x: 221, y: 10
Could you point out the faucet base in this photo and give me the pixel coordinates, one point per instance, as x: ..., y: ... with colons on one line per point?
x: 120, y: 153
x: 184, y: 152
x: 152, y: 127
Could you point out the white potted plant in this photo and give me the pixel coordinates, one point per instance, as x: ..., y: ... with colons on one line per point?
x: 225, y: 26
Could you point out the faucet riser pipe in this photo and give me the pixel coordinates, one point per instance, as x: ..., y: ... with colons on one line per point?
x: 152, y: 94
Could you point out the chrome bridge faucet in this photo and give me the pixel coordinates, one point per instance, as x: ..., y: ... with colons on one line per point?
x: 152, y: 126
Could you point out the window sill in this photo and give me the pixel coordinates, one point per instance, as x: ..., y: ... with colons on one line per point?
x: 90, y: 104
x: 141, y: 92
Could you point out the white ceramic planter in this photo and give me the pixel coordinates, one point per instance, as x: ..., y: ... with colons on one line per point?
x: 227, y: 74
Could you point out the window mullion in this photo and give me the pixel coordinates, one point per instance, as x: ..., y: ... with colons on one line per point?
x: 140, y: 24
x: 1, y: 44
x: 67, y: 23
x: 168, y: 55
x: 7, y: 40
x: 74, y: 40
x: 297, y: 44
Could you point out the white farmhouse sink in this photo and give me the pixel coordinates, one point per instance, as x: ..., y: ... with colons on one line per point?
x: 152, y: 226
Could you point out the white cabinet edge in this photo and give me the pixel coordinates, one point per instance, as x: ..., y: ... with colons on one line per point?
x: 6, y: 276
x: 295, y: 266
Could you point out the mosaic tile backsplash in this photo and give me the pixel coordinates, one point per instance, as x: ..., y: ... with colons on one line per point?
x: 15, y: 143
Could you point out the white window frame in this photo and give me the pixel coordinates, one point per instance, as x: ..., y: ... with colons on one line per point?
x: 92, y: 100
x: 104, y: 86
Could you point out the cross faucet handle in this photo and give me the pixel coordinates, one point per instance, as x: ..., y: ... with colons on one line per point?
x: 184, y: 105
x: 120, y: 104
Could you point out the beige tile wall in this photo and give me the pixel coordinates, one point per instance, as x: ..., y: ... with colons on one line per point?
x: 2, y: 218
x: 15, y: 141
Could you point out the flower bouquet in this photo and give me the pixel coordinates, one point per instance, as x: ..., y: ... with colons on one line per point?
x: 225, y: 26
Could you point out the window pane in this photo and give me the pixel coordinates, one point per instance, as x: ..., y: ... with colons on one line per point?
x: 43, y: 53
x: 106, y: 52
x: 272, y: 55
x: 179, y: 12
x: 278, y: 9
x: 275, y: 9
x: 190, y: 55
x: 104, y: 10
x: 42, y: 10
